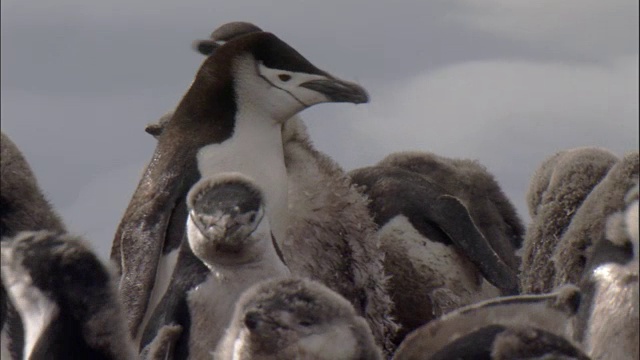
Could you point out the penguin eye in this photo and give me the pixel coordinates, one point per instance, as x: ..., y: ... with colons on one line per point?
x: 306, y: 322
x: 284, y: 77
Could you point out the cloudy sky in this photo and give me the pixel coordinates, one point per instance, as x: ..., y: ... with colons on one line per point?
x: 502, y: 81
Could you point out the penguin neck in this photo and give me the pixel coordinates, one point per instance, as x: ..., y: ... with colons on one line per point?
x: 255, y: 150
x: 259, y: 256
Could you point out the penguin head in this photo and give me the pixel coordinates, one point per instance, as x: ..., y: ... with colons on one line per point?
x: 270, y: 77
x: 224, y: 211
x: 299, y: 318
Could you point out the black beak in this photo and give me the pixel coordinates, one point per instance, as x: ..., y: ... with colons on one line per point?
x: 338, y: 90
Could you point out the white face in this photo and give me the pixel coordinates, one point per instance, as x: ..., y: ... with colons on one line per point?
x: 248, y: 239
x: 276, y: 92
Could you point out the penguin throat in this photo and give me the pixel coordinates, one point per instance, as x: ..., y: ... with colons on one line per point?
x: 255, y: 149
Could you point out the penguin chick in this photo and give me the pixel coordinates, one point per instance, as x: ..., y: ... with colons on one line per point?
x: 470, y: 181
x: 607, y: 323
x: 296, y: 318
x: 228, y: 230
x: 226, y: 214
x: 329, y: 216
x: 576, y: 247
x: 447, y: 231
x: 65, y: 297
x: 513, y: 327
x: 23, y: 206
x: 557, y: 190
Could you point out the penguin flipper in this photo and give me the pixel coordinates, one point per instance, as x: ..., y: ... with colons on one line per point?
x: 454, y: 219
x: 138, y: 243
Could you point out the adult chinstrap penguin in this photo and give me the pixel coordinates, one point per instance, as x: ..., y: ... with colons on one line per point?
x: 507, y: 328
x: 327, y: 215
x: 447, y: 231
x: 228, y: 230
x: 229, y: 120
x: 296, y: 318
x: 65, y: 297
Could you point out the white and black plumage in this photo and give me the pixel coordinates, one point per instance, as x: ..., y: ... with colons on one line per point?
x: 508, y: 328
x: 557, y: 190
x: 607, y: 322
x: 587, y: 227
x: 445, y: 226
x: 296, y: 318
x: 23, y: 207
x: 229, y: 120
x: 331, y: 235
x: 65, y: 297
x: 228, y: 230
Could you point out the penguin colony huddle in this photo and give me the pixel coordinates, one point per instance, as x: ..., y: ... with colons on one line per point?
x: 242, y: 241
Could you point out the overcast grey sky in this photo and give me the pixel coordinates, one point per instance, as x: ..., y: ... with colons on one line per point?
x: 502, y: 81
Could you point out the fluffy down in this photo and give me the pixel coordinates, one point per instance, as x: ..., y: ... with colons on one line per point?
x: 499, y: 328
x: 332, y: 236
x: 557, y: 190
x: 607, y: 323
x: 588, y: 224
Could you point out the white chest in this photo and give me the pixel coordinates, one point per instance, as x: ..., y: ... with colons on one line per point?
x: 255, y: 150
